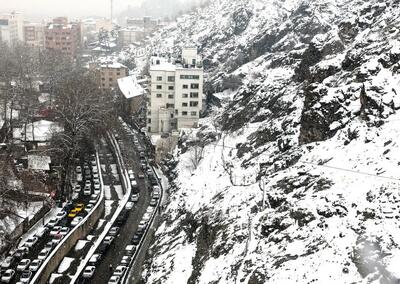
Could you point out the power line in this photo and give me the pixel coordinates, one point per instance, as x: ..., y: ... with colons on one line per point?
x: 350, y: 171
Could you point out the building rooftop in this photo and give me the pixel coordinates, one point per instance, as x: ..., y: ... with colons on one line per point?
x: 130, y: 87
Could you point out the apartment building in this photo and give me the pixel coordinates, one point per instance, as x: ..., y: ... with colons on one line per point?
x: 63, y: 36
x: 109, y: 72
x: 129, y: 35
x: 34, y: 34
x: 11, y: 28
x: 176, y: 93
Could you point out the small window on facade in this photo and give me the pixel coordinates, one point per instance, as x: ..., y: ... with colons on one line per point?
x: 185, y: 86
x: 170, y: 96
x: 171, y: 88
x: 159, y: 87
x: 149, y: 120
x: 170, y: 106
x: 184, y: 96
x: 184, y: 104
x: 149, y: 129
x: 193, y: 113
x: 159, y: 95
x: 184, y: 113
x: 176, y: 112
x: 159, y: 78
x: 171, y: 79
x: 194, y: 86
x: 194, y: 95
x: 194, y: 104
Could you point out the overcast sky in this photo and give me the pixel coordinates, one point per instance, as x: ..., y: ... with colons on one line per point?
x: 70, y: 8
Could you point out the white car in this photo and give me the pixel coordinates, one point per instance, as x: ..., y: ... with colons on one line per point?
x: 89, y: 207
x: 130, y: 250
x: 97, y: 186
x: 120, y: 270
x: 88, y: 272
x: 41, y: 231
x: 87, y: 191
x: 95, y: 170
x: 93, y: 163
x: 94, y: 259
x: 75, y: 196
x: 64, y: 231
x: 129, y: 205
x: 130, y: 172
x: 76, y: 221
x: 21, y: 252
x: 150, y: 210
x: 78, y: 169
x: 88, y: 183
x: 35, y: 265
x: 79, y: 178
x: 77, y: 188
x: 60, y: 215
x: 43, y: 254
x: 26, y: 276
x: 95, y: 176
x: 133, y: 183
x: 57, y: 239
x: 31, y: 242
x: 146, y: 217
x: 52, y: 223
x: 8, y: 276
x: 135, y: 197
x: 93, y: 199
x: 96, y: 191
x: 23, y: 265
x: 126, y: 259
x: 108, y: 240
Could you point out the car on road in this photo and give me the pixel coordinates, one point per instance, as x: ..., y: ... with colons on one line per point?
x: 153, y: 202
x: 156, y: 189
x: 35, y: 265
x: 49, y: 245
x: 77, y: 188
x: 76, y: 221
x: 150, y: 210
x: 21, y: 252
x: 93, y: 163
x: 78, y: 169
x: 30, y: 242
x: 55, y: 231
x: 26, y: 276
x: 146, y: 217
x: 95, y: 176
x: 95, y: 258
x: 130, y: 250
x: 23, y: 264
x: 114, y: 279
x: 95, y: 170
x: 64, y: 231
x: 7, y: 276
x: 119, y: 270
x: 89, y: 207
x: 108, y: 240
x: 79, y: 207
x: 89, y: 271
x: 56, y: 239
x: 126, y: 259
x: 52, y: 223
x: 60, y: 215
x: 113, y: 231
x: 75, y: 196
x: 135, y: 239
x: 79, y: 178
x: 73, y: 213
x: 155, y: 195
x: 87, y: 191
x: 96, y: 187
x: 93, y: 198
x: 129, y: 205
x: 141, y: 175
x: 135, y: 197
x: 43, y: 254
x: 7, y: 262
x: 133, y: 183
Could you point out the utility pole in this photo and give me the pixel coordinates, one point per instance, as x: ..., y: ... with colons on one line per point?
x: 112, y: 11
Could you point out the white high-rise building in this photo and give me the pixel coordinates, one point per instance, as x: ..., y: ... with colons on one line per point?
x: 11, y: 28
x: 176, y: 93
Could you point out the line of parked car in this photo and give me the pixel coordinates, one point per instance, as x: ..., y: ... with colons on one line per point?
x: 19, y: 262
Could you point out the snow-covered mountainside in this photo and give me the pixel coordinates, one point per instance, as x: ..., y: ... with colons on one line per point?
x: 307, y: 113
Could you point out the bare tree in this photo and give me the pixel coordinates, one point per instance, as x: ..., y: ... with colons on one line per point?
x: 196, y: 153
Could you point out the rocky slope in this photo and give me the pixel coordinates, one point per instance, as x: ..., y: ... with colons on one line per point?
x: 308, y: 115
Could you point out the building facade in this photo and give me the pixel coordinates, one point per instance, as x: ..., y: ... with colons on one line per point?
x: 176, y: 93
x: 12, y: 28
x: 34, y: 34
x: 63, y: 36
x: 128, y: 36
x: 108, y: 74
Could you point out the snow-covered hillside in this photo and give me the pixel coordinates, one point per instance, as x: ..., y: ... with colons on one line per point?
x: 313, y: 122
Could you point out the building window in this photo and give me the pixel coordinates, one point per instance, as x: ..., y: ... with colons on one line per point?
x: 194, y: 95
x: 110, y: 79
x: 171, y: 79
x: 184, y: 113
x: 193, y: 113
x: 193, y: 77
x: 194, y: 86
x: 176, y: 112
x: 170, y: 106
x: 149, y: 112
x: 184, y: 104
x: 159, y: 95
x: 118, y: 73
x: 171, y: 88
x: 159, y: 78
x: 184, y: 96
x: 185, y: 86
x: 149, y: 129
x: 149, y: 120
x: 194, y: 104
x: 170, y: 96
x: 159, y: 87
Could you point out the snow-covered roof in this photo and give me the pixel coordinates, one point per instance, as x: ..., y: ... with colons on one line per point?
x: 130, y: 87
x: 39, y: 162
x: 41, y: 132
